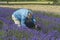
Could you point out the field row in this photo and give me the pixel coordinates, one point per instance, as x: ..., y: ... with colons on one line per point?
x: 45, y: 8
x: 46, y: 2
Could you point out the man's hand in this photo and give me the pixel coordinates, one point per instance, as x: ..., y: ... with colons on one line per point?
x: 37, y: 27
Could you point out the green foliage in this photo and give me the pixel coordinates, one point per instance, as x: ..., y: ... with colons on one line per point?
x: 1, y: 33
x: 26, y: 0
x: 46, y: 23
x: 22, y: 34
x: 1, y: 39
x: 1, y: 24
x: 54, y: 1
x: 38, y: 19
x: 52, y: 15
x: 56, y: 15
x: 49, y: 14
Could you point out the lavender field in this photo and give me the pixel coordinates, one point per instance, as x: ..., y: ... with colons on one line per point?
x: 49, y: 23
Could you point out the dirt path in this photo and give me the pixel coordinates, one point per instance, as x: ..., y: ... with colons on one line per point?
x: 46, y: 8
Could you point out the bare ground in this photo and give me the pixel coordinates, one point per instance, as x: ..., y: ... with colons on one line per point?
x: 46, y: 8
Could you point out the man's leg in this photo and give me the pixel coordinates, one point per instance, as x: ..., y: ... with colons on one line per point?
x: 29, y: 24
x: 16, y: 20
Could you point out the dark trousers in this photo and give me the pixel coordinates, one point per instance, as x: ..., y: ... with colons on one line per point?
x: 29, y: 23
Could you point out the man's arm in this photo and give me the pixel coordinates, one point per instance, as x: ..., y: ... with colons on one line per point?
x: 34, y: 20
x: 22, y: 20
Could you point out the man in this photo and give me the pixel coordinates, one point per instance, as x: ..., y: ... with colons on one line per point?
x: 24, y: 17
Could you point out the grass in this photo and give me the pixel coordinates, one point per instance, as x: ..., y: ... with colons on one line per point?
x: 1, y: 24
x: 1, y: 39
x: 1, y: 33
x: 56, y: 15
x: 22, y: 34
x: 52, y: 14
x: 28, y: 2
x: 45, y: 22
x: 48, y: 14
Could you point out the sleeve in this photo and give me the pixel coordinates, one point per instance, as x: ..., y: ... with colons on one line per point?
x: 34, y: 20
x: 22, y: 20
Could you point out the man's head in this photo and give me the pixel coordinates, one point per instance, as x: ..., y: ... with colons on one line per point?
x: 29, y: 15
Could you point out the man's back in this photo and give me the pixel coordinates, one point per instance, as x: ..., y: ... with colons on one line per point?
x: 22, y: 12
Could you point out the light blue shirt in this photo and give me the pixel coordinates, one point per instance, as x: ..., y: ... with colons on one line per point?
x: 21, y: 14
